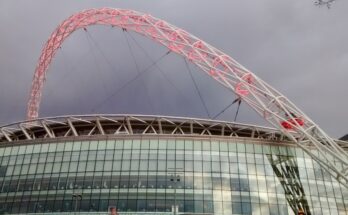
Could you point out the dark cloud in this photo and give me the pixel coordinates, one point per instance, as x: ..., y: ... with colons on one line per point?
x: 298, y: 48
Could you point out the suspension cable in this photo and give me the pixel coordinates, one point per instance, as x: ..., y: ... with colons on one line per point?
x: 138, y: 70
x: 130, y: 81
x: 89, y: 39
x: 228, y: 106
x: 197, y: 89
x: 239, y: 103
x: 68, y: 70
x: 66, y: 75
x: 112, y: 66
x: 157, y: 66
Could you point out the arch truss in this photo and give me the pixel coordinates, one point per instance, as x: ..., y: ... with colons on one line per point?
x: 265, y: 100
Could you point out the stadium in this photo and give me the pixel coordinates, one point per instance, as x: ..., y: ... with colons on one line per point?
x: 163, y: 165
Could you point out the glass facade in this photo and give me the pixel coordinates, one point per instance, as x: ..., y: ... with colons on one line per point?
x: 153, y: 173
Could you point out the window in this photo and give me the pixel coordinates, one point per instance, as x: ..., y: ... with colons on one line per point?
x: 244, y: 184
x: 162, y: 165
x: 32, y: 169
x: 66, y: 157
x: 171, y: 144
x: 162, y: 144
x: 90, y: 166
x: 99, y: 165
x: 84, y: 146
x: 221, y: 177
x: 246, y: 208
x: 237, y: 208
x: 199, y: 208
x: 48, y: 167
x: 68, y: 146
x: 198, y: 182
x: 135, y: 165
x: 126, y: 155
x: 188, y: 166
x: 216, y: 183
x: 225, y: 167
x: 189, y: 206
x: 223, y: 147
x: 180, y: 145
x: 215, y: 146
x: 100, y: 155
x: 216, y: 166
x: 145, y: 144
x: 119, y: 145
x: 40, y: 168
x: 207, y: 166
x: 3, y: 170
x: 170, y: 164
x: 125, y: 165
x: 82, y: 166
x: 188, y: 145
x: 225, y: 183
x: 188, y: 182
x: 116, y: 165
x: 198, y: 166
x: 179, y: 165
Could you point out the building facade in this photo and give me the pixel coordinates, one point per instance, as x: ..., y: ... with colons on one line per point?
x: 155, y: 164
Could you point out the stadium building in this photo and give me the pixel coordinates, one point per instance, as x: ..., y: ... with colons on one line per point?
x: 160, y: 165
x: 151, y: 163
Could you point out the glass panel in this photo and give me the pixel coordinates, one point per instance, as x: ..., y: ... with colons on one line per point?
x: 171, y: 144
x: 188, y: 145
x: 162, y: 144
x: 68, y: 146
x: 215, y: 146
x: 223, y: 147
x: 145, y: 144
x: 206, y: 145
x: 223, y: 182
x: 153, y: 144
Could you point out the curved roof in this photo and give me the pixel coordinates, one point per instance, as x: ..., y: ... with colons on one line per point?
x: 113, y: 125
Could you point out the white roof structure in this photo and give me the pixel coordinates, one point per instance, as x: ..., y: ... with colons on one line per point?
x: 121, y: 125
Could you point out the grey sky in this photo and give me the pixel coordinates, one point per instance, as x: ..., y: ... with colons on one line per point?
x: 298, y: 48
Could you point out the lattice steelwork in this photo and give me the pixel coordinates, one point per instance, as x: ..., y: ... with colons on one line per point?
x: 94, y: 125
x: 286, y: 169
x: 264, y: 99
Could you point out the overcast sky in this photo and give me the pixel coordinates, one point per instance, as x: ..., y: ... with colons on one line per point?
x: 298, y: 48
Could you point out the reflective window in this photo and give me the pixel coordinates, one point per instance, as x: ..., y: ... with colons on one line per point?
x: 220, y: 177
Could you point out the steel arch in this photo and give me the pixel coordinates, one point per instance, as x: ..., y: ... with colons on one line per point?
x: 264, y: 99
